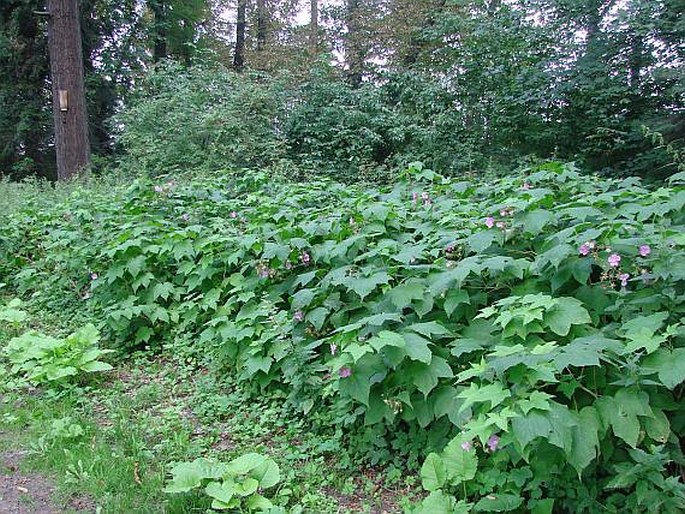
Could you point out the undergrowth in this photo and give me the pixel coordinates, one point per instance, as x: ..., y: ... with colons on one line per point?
x: 519, y: 342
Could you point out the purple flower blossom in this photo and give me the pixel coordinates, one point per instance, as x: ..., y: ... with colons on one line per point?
x: 493, y: 442
x: 624, y: 279
x: 414, y: 197
x: 614, y: 260
x: 305, y: 258
x: 185, y: 217
x: 298, y: 316
x: 645, y: 250
x: 584, y: 249
x: 345, y: 372
x: 159, y: 189
x: 93, y: 275
x: 449, y: 249
x: 466, y: 446
x: 233, y: 214
x: 288, y: 265
x: 489, y: 222
x: 334, y: 348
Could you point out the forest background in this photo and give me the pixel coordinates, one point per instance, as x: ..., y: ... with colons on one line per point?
x: 356, y: 88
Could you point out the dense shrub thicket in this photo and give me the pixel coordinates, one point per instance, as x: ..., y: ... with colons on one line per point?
x: 211, y: 118
x: 523, y: 337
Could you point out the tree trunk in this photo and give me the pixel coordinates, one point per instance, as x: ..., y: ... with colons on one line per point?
x: 354, y: 55
x: 159, y: 31
x: 239, y: 55
x: 72, y: 144
x: 261, y: 25
x: 314, y: 27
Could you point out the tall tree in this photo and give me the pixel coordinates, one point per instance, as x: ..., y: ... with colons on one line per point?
x: 354, y: 53
x: 314, y: 26
x: 261, y: 24
x: 25, y: 119
x: 159, y: 29
x: 239, y: 53
x: 72, y: 143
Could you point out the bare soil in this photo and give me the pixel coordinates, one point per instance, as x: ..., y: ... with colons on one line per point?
x: 31, y: 493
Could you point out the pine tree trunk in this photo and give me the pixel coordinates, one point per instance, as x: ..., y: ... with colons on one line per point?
x: 314, y: 27
x: 239, y: 55
x: 354, y: 55
x: 261, y: 25
x: 159, y: 31
x: 72, y: 144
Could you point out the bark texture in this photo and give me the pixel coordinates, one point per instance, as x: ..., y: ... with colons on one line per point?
x: 314, y: 26
x: 239, y: 55
x: 72, y: 143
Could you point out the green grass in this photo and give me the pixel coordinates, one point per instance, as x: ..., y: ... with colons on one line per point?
x: 149, y: 413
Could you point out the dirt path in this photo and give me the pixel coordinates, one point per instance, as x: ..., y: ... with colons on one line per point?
x: 29, y: 493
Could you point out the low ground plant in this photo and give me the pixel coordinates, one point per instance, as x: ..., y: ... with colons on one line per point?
x: 518, y: 340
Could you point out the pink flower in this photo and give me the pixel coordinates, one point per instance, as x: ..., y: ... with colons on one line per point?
x: 614, y: 260
x: 233, y: 214
x: 298, y: 316
x: 449, y: 249
x: 489, y: 222
x: 185, y: 217
x: 305, y: 258
x: 493, y: 442
x: 345, y: 372
x: 414, y: 197
x: 466, y: 446
x: 645, y: 250
x: 159, y: 189
x: 526, y: 185
x: 584, y: 249
x: 334, y: 348
x: 93, y: 275
x: 624, y: 279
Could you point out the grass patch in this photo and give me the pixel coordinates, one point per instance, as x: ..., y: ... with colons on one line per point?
x: 114, y: 442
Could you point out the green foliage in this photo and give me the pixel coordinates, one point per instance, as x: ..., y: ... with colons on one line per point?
x: 11, y: 313
x: 232, y: 486
x: 43, y: 360
x: 524, y: 332
x: 205, y: 118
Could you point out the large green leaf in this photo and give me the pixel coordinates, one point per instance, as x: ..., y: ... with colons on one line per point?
x: 669, y: 365
x: 426, y: 376
x: 460, y: 465
x: 498, y: 503
x: 267, y: 474
x: 402, y: 295
x: 433, y: 472
x: 566, y: 312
